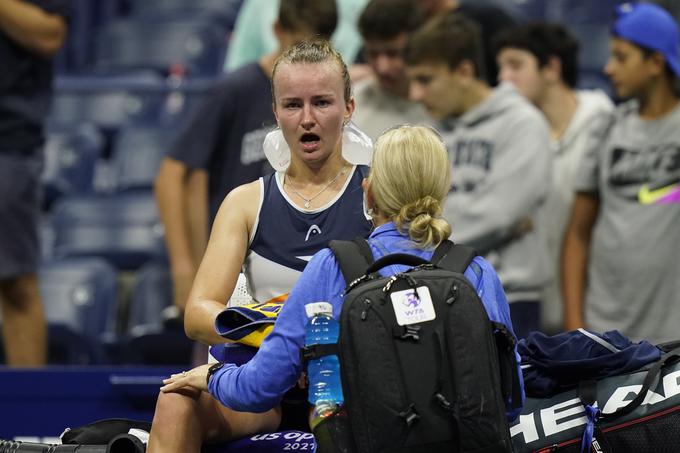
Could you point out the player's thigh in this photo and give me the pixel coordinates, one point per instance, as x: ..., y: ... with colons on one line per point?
x: 221, y: 423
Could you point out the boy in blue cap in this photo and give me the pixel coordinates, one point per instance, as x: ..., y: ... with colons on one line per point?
x: 621, y: 253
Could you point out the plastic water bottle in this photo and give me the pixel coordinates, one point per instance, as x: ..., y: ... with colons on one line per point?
x: 323, y: 373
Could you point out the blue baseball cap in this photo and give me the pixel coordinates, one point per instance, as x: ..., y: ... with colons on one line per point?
x: 650, y: 26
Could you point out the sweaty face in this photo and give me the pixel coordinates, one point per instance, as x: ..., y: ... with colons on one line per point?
x: 436, y: 87
x: 386, y: 58
x: 310, y: 109
x: 628, y: 68
x: 521, y: 68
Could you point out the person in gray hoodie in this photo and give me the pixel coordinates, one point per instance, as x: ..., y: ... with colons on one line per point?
x: 499, y: 148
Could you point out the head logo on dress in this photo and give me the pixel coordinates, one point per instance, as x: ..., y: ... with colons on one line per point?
x: 314, y: 229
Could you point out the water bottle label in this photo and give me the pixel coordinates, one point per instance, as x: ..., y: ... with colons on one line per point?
x: 316, y: 308
x: 410, y: 308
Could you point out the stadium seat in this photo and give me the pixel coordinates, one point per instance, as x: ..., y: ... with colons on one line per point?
x: 155, y: 335
x: 137, y: 155
x: 79, y: 296
x: 86, y: 17
x: 594, y: 49
x: 123, y: 228
x: 107, y: 101
x: 224, y: 11
x: 133, y: 45
x: 151, y: 295
x: 593, y: 55
x: 71, y: 155
x: 581, y: 11
x: 531, y: 9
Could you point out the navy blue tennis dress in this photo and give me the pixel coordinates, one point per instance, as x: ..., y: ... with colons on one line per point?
x: 286, y: 237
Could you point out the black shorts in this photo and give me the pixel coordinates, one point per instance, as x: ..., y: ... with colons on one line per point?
x: 20, y: 200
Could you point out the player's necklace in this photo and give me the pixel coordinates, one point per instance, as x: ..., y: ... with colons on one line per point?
x: 308, y: 201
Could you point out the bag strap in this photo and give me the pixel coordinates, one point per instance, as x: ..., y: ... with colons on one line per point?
x: 505, y: 343
x: 669, y: 345
x: 588, y: 389
x: 396, y: 258
x: 453, y: 257
x: 315, y: 351
x: 354, y: 257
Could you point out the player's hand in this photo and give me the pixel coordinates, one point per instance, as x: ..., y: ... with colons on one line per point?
x: 195, y: 378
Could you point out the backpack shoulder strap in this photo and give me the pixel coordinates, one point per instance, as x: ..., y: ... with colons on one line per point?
x: 453, y: 257
x: 354, y: 257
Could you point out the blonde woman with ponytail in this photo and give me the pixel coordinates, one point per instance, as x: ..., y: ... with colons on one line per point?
x: 409, y: 178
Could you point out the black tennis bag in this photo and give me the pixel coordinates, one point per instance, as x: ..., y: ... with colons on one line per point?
x: 423, y: 367
x: 633, y: 412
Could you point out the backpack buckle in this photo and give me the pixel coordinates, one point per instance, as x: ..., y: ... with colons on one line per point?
x: 314, y: 351
x: 443, y: 402
x: 409, y: 332
x: 503, y: 334
x: 402, y: 275
x: 410, y: 415
x: 357, y: 281
x: 454, y: 295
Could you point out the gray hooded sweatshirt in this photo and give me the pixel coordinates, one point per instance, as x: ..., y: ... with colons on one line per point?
x: 501, y: 169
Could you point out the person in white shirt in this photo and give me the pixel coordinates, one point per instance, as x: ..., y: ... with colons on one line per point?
x: 541, y: 60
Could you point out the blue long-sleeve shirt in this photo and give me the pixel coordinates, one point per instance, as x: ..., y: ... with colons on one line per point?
x: 259, y: 385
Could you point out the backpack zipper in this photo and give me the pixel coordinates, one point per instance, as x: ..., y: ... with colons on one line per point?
x: 354, y: 283
x: 368, y: 306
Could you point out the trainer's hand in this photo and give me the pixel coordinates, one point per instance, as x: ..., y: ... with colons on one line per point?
x: 195, y: 378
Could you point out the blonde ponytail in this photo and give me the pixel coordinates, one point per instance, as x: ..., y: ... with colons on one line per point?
x: 409, y: 179
x: 423, y: 223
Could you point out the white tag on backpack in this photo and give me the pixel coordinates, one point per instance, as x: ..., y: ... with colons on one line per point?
x: 411, y: 309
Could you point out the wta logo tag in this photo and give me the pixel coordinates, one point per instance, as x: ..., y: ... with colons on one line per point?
x: 412, y: 308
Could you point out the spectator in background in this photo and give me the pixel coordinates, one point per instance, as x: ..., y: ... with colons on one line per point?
x: 31, y: 33
x: 499, y: 147
x: 541, y: 60
x: 382, y: 100
x: 492, y: 17
x: 221, y: 147
x: 252, y: 36
x: 621, y: 252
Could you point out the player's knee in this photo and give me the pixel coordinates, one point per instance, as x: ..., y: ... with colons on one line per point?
x: 174, y: 405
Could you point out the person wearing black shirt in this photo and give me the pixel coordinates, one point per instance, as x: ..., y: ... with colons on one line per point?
x: 31, y: 32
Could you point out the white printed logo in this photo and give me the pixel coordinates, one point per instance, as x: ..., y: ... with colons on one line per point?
x: 412, y: 309
x: 312, y: 229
